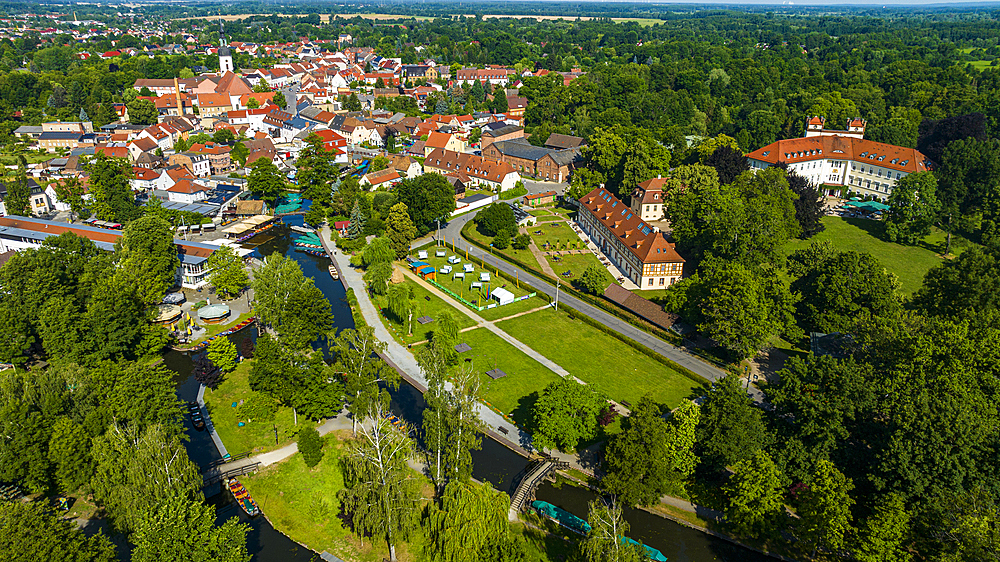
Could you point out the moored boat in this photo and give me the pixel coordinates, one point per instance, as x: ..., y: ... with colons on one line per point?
x: 243, y: 498
x: 561, y: 516
x: 333, y: 272
x: 651, y: 552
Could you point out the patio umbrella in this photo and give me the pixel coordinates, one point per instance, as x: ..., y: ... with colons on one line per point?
x: 855, y: 199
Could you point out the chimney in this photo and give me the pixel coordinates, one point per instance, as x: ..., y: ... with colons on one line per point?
x: 177, y: 93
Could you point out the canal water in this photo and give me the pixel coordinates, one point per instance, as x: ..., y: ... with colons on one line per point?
x: 494, y: 463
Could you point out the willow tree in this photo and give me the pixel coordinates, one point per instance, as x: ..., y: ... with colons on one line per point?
x: 470, y: 517
x: 382, y: 496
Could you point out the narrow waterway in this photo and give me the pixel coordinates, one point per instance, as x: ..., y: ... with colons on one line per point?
x: 494, y: 463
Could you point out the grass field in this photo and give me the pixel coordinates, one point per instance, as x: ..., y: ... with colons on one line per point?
x: 302, y: 503
x: 909, y: 263
x: 524, y: 256
x: 513, y: 394
x: 558, y: 234
x: 31, y: 157
x: 577, y: 264
x: 424, y: 307
x: 464, y: 288
x: 256, y: 436
x: 594, y: 357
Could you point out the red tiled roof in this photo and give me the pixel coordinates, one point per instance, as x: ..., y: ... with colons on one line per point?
x: 640, y: 239
x: 807, y: 149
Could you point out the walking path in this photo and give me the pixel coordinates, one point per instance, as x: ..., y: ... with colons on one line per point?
x: 403, y: 361
x: 539, y: 257
x: 341, y: 421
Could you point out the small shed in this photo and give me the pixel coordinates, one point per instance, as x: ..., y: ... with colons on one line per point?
x: 503, y: 296
x: 538, y: 199
x: 427, y: 272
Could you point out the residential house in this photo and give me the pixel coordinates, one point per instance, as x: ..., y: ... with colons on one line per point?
x: 443, y: 141
x: 498, y: 176
x: 212, y: 105
x: 217, y: 154
x: 405, y: 166
x: 59, y: 205
x: 383, y: 178
x: 37, y: 199
x: 187, y: 191
x: 197, y: 164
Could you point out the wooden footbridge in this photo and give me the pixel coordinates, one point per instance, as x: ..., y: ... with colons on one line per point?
x: 543, y: 466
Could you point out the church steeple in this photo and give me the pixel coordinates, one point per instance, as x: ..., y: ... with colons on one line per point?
x: 225, y: 55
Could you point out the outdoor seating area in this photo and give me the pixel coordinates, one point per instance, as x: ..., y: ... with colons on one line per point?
x: 855, y: 208
x: 249, y: 227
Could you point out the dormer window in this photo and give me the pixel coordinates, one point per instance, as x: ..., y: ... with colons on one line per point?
x: 863, y: 154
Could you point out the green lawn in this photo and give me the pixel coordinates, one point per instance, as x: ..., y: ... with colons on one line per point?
x: 559, y: 234
x: 254, y: 435
x: 30, y: 156
x: 463, y: 287
x: 470, y: 232
x: 577, y: 264
x: 512, y: 394
x: 594, y: 357
x: 302, y: 503
x: 909, y: 263
x: 424, y: 307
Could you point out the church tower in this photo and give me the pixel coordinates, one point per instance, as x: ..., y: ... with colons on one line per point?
x: 225, y: 55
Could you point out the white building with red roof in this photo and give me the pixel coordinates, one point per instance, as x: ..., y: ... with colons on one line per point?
x: 640, y: 251
x: 843, y: 160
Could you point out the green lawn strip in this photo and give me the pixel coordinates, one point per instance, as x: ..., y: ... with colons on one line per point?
x: 513, y: 308
x: 255, y: 436
x: 909, y: 263
x: 302, y: 503
x: 514, y: 394
x: 424, y: 307
x: 622, y: 372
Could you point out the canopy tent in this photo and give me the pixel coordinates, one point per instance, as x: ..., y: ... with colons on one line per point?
x: 238, y: 228
x: 872, y: 206
x: 503, y: 296
x: 257, y: 220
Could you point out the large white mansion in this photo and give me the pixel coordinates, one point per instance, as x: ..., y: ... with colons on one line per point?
x: 837, y: 160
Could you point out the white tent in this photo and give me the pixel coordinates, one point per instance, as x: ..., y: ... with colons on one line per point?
x: 503, y: 296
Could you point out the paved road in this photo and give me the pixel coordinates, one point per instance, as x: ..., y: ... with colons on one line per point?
x: 678, y: 355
